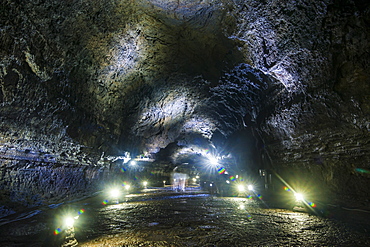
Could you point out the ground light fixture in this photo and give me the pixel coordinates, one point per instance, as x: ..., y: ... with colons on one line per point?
x: 114, y: 192
x: 299, y: 196
x: 127, y: 186
x: 300, y: 200
x: 241, y: 188
x: 69, y: 221
x: 66, y: 223
x: 145, y: 183
x: 133, y: 163
x: 250, y: 187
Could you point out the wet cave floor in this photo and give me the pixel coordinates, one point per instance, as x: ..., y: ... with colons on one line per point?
x: 158, y: 217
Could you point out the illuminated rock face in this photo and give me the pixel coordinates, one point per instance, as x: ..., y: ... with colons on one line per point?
x: 267, y: 83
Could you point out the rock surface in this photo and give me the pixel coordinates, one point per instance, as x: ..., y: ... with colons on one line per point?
x: 275, y: 84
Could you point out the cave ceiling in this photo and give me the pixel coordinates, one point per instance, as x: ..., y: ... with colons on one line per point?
x: 155, y: 79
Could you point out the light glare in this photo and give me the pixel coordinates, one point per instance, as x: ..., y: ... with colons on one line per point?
x: 299, y: 196
x: 133, y: 163
x: 213, y: 160
x: 114, y: 192
x: 240, y: 188
x: 69, y: 221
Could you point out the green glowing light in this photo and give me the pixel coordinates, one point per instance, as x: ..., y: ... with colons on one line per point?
x: 361, y: 170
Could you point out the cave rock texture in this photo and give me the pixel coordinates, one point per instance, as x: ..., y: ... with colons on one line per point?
x: 274, y: 84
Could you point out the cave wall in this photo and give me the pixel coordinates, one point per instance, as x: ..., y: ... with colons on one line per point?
x: 40, y: 162
x: 318, y: 130
x: 27, y: 184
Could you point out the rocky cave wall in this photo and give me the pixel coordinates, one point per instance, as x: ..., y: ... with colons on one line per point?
x: 317, y: 136
x: 83, y: 78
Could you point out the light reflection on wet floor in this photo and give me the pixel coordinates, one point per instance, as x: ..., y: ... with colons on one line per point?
x: 186, y: 220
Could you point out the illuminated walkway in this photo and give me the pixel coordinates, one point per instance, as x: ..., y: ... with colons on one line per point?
x: 165, y: 218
